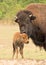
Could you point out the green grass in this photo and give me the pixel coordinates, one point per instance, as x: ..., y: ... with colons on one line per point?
x: 9, y: 8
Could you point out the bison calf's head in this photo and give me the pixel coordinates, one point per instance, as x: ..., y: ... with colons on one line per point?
x: 25, y: 38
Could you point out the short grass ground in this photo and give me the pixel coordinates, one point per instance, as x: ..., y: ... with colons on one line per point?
x: 6, y: 36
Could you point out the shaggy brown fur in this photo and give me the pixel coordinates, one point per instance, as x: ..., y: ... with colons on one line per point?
x: 18, y: 41
x: 39, y: 10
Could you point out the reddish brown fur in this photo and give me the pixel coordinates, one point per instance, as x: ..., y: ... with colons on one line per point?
x: 18, y: 36
x: 39, y: 10
x: 18, y: 41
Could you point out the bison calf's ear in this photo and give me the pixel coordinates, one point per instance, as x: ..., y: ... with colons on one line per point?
x: 32, y: 17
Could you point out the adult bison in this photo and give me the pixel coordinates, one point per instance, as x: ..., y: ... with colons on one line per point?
x: 32, y: 21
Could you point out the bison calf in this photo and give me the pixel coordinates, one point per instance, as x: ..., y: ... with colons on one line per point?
x: 18, y: 41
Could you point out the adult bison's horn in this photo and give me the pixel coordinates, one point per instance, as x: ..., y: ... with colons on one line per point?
x: 32, y: 17
x: 16, y: 18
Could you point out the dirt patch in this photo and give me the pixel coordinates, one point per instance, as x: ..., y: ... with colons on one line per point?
x: 23, y: 62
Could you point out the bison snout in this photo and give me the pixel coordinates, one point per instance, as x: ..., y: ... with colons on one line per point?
x: 27, y: 42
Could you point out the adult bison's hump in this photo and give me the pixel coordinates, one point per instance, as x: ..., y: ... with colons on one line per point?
x: 39, y: 10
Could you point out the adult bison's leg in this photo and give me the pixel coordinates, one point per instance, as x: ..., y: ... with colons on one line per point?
x: 45, y: 44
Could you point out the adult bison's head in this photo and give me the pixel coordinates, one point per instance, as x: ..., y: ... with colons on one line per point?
x: 24, y: 18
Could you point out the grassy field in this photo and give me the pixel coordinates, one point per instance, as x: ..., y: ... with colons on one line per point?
x: 6, y: 36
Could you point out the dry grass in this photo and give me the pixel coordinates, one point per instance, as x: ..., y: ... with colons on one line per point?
x: 6, y: 36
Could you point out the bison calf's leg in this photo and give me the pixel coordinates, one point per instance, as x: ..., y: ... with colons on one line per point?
x: 21, y: 52
x: 16, y: 53
x: 13, y: 50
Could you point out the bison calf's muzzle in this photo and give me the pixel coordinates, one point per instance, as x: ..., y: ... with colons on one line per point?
x: 27, y: 42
